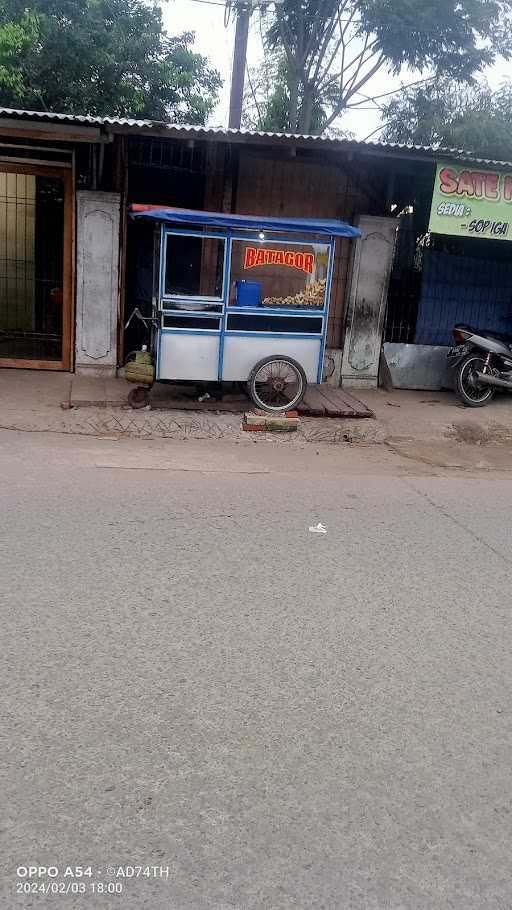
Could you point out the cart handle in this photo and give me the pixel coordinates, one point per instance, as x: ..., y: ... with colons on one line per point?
x: 147, y: 320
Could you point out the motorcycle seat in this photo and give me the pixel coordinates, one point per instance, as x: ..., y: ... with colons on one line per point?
x: 502, y: 337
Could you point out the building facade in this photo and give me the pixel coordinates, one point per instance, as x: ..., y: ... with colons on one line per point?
x: 73, y: 264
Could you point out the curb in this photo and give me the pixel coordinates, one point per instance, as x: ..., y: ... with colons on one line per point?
x: 126, y: 423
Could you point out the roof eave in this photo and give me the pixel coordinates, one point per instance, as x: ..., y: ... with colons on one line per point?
x: 101, y: 129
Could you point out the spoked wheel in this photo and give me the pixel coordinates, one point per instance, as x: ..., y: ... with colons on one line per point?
x: 138, y: 397
x: 469, y: 390
x: 277, y: 384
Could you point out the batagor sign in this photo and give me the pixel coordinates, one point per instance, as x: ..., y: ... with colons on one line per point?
x: 305, y: 262
x: 470, y: 202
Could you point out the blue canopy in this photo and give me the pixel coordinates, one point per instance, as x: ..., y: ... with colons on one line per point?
x: 325, y: 227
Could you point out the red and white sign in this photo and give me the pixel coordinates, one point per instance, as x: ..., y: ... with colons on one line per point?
x: 254, y: 257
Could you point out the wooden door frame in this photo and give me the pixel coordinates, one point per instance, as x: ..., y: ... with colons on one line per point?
x: 68, y: 303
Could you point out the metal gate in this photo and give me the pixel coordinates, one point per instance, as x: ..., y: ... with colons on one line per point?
x: 438, y: 281
x: 35, y: 267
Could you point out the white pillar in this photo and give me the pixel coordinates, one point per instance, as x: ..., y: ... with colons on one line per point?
x: 371, y: 267
x: 97, y: 283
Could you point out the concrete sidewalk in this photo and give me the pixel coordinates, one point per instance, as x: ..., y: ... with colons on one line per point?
x: 38, y: 401
x: 438, y: 415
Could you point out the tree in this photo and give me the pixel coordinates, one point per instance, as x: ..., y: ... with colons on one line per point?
x: 101, y: 57
x: 453, y: 115
x: 266, y: 99
x: 333, y: 48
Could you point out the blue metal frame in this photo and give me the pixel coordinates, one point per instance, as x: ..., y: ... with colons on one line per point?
x: 178, y: 298
x: 175, y: 311
x: 277, y: 310
x: 328, y: 288
x: 223, y: 302
x: 296, y: 335
x: 223, y: 324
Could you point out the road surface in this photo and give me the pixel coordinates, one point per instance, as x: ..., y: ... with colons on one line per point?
x: 193, y: 681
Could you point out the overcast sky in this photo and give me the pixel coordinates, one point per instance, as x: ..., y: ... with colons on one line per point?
x: 206, y: 19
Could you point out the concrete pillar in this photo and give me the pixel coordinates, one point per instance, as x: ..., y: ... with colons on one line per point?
x: 371, y: 267
x: 97, y: 283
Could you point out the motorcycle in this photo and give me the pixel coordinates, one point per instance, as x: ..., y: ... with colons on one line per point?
x: 483, y: 364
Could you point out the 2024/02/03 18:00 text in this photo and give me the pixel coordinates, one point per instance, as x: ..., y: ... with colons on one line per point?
x: 82, y: 879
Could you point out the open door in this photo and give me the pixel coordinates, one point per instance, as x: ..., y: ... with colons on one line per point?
x: 35, y: 267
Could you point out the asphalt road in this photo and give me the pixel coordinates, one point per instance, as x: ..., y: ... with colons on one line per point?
x: 192, y: 680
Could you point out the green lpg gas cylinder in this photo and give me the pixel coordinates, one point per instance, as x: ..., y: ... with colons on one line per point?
x: 139, y: 367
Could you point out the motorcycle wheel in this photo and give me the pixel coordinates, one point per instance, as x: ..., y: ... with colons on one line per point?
x: 467, y: 388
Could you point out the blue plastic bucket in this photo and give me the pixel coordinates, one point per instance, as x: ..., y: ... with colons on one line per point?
x: 248, y: 293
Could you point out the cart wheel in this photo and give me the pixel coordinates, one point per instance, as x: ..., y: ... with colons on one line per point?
x: 277, y: 384
x: 138, y: 397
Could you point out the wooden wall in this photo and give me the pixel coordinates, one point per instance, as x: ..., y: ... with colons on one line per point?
x: 269, y: 184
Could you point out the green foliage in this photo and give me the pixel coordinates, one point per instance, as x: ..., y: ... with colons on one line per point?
x: 101, y: 57
x: 452, y: 37
x: 267, y: 100
x: 453, y: 115
x: 15, y: 38
x: 333, y: 48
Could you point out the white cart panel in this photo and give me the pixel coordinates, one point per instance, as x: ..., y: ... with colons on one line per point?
x: 241, y: 354
x: 184, y: 356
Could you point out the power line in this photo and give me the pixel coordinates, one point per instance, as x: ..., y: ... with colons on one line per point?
x: 209, y: 2
x: 253, y: 7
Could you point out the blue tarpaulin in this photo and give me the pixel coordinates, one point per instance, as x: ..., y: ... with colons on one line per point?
x: 325, y: 227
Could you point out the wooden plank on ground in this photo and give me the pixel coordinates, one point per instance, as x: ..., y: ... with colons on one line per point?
x: 360, y: 407
x: 343, y: 403
x: 336, y: 405
x: 319, y: 401
x: 334, y: 402
x: 313, y: 403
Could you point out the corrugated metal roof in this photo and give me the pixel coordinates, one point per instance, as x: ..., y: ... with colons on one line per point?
x: 220, y: 133
x: 85, y: 119
x: 355, y: 144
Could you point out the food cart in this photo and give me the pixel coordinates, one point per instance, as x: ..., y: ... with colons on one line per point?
x: 241, y: 298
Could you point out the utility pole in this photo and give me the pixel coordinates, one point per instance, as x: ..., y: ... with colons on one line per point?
x: 243, y: 16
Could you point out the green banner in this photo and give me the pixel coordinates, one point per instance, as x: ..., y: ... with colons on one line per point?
x: 471, y: 202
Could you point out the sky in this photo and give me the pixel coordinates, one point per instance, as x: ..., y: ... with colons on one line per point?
x: 206, y: 19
